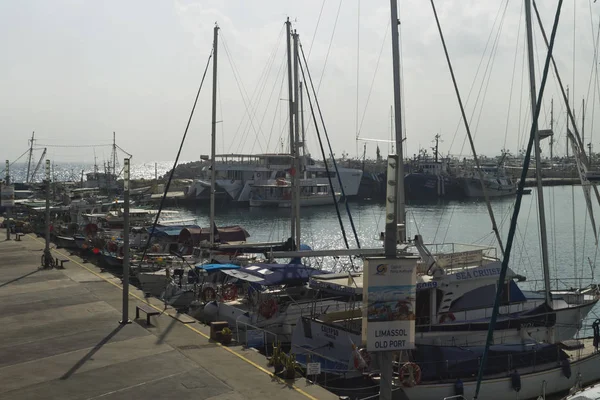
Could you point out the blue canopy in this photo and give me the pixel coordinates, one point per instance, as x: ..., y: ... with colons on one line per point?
x: 275, y: 274
x: 216, y: 267
x: 168, y: 230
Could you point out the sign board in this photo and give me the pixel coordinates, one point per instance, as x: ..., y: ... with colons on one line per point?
x: 313, y: 368
x: 255, y: 338
x: 7, y: 196
x: 463, y: 258
x: 389, y: 293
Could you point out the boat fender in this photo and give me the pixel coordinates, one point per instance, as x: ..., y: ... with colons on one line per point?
x: 410, y: 374
x: 459, y: 388
x: 268, y: 308
x: 447, y: 317
x: 362, y: 359
x: 596, y: 328
x: 516, y: 381
x: 566, y: 368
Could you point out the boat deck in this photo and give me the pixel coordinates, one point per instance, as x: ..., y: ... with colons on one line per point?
x: 61, y: 338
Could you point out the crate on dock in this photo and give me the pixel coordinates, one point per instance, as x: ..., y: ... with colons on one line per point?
x: 217, y: 326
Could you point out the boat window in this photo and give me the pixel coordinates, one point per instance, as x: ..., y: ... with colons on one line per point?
x: 484, y: 297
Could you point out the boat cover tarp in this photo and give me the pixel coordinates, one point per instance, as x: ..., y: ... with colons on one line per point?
x: 446, y: 362
x: 216, y: 267
x: 275, y: 274
x: 168, y: 230
x: 226, y: 234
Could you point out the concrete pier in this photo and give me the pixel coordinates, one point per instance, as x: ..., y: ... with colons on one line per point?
x: 60, y: 338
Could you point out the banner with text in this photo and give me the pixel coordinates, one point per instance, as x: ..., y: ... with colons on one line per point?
x: 389, y: 294
x: 7, y: 196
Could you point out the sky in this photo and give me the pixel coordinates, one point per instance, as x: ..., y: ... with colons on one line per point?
x: 75, y: 71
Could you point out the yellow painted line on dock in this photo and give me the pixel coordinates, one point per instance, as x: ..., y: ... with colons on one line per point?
x: 235, y: 353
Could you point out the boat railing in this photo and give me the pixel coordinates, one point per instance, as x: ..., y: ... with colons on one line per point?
x: 247, y: 325
x: 571, y: 284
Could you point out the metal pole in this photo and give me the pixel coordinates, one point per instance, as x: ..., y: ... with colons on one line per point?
x: 47, y: 254
x: 125, y: 318
x: 7, y: 180
x: 552, y: 129
x: 296, y: 177
x: 29, y: 161
x: 288, y: 27
x: 213, y: 139
x: 400, y: 206
x: 538, y: 157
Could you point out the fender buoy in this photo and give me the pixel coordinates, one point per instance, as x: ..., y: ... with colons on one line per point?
x: 566, y: 368
x: 209, y: 293
x: 268, y: 308
x: 516, y: 381
x: 362, y: 359
x: 447, y: 317
x: 229, y: 292
x: 410, y: 374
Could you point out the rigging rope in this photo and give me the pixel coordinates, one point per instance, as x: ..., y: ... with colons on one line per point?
x: 329, y: 145
x: 337, y: 209
x: 513, y: 221
x: 466, y: 122
x: 162, y: 200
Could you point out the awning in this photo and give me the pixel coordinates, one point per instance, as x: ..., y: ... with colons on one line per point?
x: 217, y: 267
x: 275, y: 274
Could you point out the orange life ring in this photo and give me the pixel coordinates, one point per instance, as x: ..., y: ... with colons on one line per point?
x: 410, y: 374
x: 268, y: 308
x: 209, y: 293
x: 229, y: 292
x: 447, y: 317
x: 362, y: 359
x: 155, y: 248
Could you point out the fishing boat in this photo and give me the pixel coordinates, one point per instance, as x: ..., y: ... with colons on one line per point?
x: 495, y: 180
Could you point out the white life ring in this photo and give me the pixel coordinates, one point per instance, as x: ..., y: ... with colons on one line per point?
x: 258, y: 174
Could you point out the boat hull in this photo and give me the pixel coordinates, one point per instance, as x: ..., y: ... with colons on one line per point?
x: 534, y: 384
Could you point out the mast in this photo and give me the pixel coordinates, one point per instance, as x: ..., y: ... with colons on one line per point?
x: 538, y: 157
x: 288, y: 28
x: 30, y: 155
x: 114, y: 154
x: 567, y: 135
x: 213, y: 139
x: 583, y: 120
x: 296, y: 169
x: 303, y: 144
x: 400, y: 206
x: 552, y: 128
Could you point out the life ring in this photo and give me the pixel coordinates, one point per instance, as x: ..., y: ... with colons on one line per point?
x: 447, y: 317
x: 229, y: 292
x: 362, y: 359
x: 280, y: 181
x: 209, y: 293
x: 155, y: 248
x: 410, y: 374
x: 258, y: 174
x: 268, y: 308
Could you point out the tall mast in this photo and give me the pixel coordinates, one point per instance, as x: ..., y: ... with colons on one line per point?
x: 583, y: 121
x: 552, y: 129
x: 296, y: 169
x: 30, y: 155
x: 213, y: 139
x: 400, y: 206
x: 567, y: 133
x: 538, y: 157
x: 288, y: 28
x: 303, y: 144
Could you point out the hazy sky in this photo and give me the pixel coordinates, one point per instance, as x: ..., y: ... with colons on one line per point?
x: 74, y: 71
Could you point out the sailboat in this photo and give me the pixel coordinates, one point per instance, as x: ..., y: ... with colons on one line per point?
x: 525, y: 370
x: 443, y: 292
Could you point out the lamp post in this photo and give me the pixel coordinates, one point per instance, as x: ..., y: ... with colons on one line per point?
x: 125, y: 319
x: 47, y: 255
